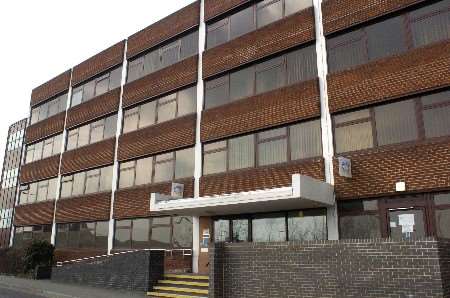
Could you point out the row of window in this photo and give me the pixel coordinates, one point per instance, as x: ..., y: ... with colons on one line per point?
x: 154, y: 232
x: 164, y: 56
x: 6, y: 218
x: 87, y: 182
x: 49, y: 109
x: 92, y: 133
x: 97, y: 86
x: 163, y: 109
x: 300, y: 225
x: 43, y: 149
x: 9, y: 178
x: 15, y: 140
x: 273, y: 146
x: 158, y: 168
x: 25, y: 235
x: 404, y: 121
x: 252, y: 18
x: 82, y: 235
x: 296, y: 66
x: 38, y: 191
x: 389, y: 37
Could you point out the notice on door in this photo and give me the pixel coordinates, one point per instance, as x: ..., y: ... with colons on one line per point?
x: 406, y: 221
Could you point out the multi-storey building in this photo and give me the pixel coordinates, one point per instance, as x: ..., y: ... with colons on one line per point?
x: 233, y: 99
x: 10, y: 179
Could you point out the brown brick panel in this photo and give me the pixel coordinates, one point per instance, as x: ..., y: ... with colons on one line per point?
x: 34, y: 214
x: 163, y: 81
x: 135, y: 202
x: 45, y: 128
x: 104, y: 60
x: 170, y: 135
x: 62, y: 255
x: 341, y: 14
x: 95, y: 108
x: 260, y: 178
x: 87, y: 157
x: 423, y: 167
x: 88, y: 208
x: 172, y: 25
x: 417, y: 71
x: 273, y: 38
x: 40, y: 170
x: 288, y: 104
x: 51, y: 88
x: 215, y: 8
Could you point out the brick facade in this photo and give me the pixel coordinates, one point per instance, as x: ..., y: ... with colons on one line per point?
x: 34, y: 214
x: 281, y: 106
x: 40, y: 170
x: 55, y: 86
x: 48, y: 127
x: 215, y: 8
x: 166, y: 136
x: 346, y: 268
x: 281, y: 35
x: 93, y: 207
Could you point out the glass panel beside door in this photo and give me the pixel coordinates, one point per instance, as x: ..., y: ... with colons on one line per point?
x: 407, y: 223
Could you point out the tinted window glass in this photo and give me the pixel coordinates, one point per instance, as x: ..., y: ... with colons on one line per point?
x: 242, y: 22
x: 269, y: 228
x: 307, y: 225
x: 269, y: 11
x: 242, y: 83
x: 241, y: 152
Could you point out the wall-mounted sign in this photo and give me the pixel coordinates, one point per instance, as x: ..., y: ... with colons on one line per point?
x: 204, y: 243
x: 400, y: 186
x: 177, y: 190
x: 345, y: 167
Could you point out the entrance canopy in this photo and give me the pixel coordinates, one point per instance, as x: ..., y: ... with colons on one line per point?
x: 305, y: 192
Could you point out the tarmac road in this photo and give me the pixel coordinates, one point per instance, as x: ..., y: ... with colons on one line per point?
x: 8, y: 293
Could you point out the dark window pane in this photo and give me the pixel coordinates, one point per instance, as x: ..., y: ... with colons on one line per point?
x: 240, y: 230
x: 269, y: 75
x: 442, y: 199
x: 222, y: 230
x: 151, y: 62
x: 122, y: 234
x: 115, y: 78
x: 110, y: 127
x: 269, y: 228
x: 74, y: 235
x: 306, y: 140
x: 170, y: 54
x: 189, y: 45
x: 292, y: 6
x: 77, y: 96
x: 396, y: 122
x: 87, y: 235
x: 216, y: 92
x: 307, y: 225
x: 102, y: 85
x: 241, y: 152
x: 269, y: 11
x: 101, y: 234
x: 431, y: 23
x: 359, y: 227
x: 62, y: 235
x: 217, y: 33
x: 161, y: 232
x: 182, y: 232
x: 88, y: 90
x: 346, y: 51
x: 302, y: 65
x: 135, y: 69
x: 141, y: 233
x: 242, y: 83
x: 386, y: 38
x: 443, y: 223
x: 187, y: 99
x: 242, y: 22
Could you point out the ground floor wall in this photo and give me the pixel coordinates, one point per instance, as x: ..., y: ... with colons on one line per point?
x: 345, y: 268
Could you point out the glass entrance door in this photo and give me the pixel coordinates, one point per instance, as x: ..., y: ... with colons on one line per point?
x: 407, y: 223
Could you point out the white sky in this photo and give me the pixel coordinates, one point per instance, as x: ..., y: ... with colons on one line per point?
x: 41, y: 39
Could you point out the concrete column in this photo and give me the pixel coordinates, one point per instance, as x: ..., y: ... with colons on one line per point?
x: 198, y: 143
x: 115, y: 176
x: 325, y: 117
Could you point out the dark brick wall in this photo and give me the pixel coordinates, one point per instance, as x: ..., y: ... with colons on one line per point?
x: 281, y: 35
x: 166, y: 136
x: 281, y: 106
x: 260, y: 178
x: 95, y: 108
x: 51, y: 126
x: 215, y: 8
x: 172, y: 25
x: 135, y: 271
x: 341, y: 14
x: 416, y: 71
x: 34, y: 214
x: 91, y: 156
x: 92, y: 207
x: 346, y: 268
x: 166, y: 80
x: 51, y: 88
x: 101, y: 62
x: 40, y: 170
x: 423, y: 166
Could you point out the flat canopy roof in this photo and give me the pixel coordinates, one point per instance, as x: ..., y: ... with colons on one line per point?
x: 305, y: 193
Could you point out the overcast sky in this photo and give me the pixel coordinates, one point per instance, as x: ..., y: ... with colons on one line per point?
x: 41, y: 39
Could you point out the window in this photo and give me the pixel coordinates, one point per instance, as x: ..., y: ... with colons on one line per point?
x: 97, y: 86
x: 389, y: 37
x: 296, y: 66
x: 38, y: 191
x: 158, y: 168
x: 164, y: 56
x: 49, y: 109
x: 166, y: 108
x: 15, y: 140
x: 25, y: 235
x: 92, y: 133
x: 93, y: 181
x: 307, y: 225
x: 153, y: 232
x: 9, y: 179
x: 251, y: 18
x: 43, y: 149
x: 359, y: 219
x: 82, y: 235
x: 272, y: 146
x: 393, y: 123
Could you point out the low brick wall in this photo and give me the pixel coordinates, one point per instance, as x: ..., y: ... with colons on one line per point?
x: 346, y: 268
x: 135, y: 271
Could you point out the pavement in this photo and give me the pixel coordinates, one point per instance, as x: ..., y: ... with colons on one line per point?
x: 14, y: 287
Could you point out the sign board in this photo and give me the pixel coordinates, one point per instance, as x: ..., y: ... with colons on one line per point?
x: 345, y: 167
x: 177, y: 190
